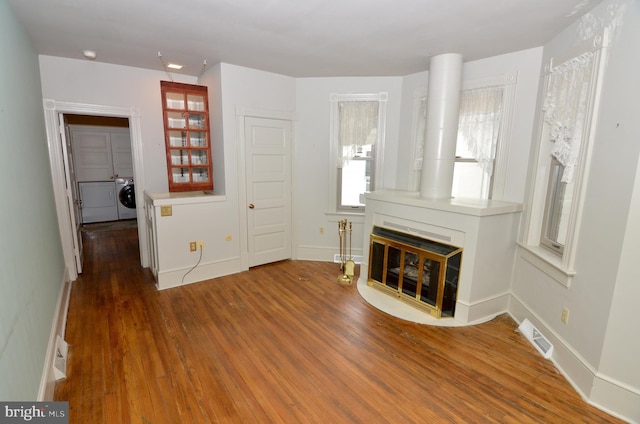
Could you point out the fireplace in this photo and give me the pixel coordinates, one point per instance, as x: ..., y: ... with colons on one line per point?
x: 418, y: 271
x: 483, y: 232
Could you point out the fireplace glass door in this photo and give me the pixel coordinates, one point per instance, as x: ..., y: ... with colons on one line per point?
x: 419, y: 271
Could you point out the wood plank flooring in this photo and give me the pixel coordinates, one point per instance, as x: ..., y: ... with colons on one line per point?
x: 285, y: 343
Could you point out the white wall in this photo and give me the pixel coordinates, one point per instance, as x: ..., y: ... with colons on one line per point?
x: 31, y: 263
x: 313, y: 161
x: 599, y: 340
x: 616, y: 166
x: 247, y: 89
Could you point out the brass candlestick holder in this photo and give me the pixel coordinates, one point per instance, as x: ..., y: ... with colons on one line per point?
x: 347, y: 265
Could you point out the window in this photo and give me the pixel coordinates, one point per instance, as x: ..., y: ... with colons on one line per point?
x: 357, y: 132
x: 565, y: 107
x: 481, y: 154
x: 561, y: 159
x: 558, y: 205
x: 356, y: 175
x: 478, y: 131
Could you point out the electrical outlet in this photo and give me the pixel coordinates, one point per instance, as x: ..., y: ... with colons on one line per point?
x: 192, y: 246
x: 201, y: 245
x: 565, y: 315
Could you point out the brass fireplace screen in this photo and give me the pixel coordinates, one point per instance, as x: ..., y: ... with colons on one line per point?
x: 420, y: 272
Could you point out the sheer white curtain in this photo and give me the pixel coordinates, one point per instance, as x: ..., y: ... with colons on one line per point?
x: 564, y: 109
x: 479, y: 124
x: 357, y: 127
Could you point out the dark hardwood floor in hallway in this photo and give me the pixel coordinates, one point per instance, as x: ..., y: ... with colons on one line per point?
x: 286, y: 343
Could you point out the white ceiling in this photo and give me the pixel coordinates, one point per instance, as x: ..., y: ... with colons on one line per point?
x: 300, y: 38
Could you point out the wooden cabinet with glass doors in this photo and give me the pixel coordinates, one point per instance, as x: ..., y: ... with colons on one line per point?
x: 187, y: 136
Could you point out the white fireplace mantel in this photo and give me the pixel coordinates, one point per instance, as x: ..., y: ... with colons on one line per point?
x: 485, y: 229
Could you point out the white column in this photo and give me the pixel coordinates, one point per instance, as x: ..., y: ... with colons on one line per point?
x: 443, y: 108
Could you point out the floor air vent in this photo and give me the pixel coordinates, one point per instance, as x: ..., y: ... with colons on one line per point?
x: 356, y: 258
x: 60, y: 360
x: 536, y: 338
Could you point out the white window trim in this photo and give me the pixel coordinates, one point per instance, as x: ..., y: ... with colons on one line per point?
x: 561, y: 267
x: 334, y: 98
x: 509, y: 82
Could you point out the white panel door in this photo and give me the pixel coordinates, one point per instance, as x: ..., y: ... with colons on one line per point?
x: 268, y: 168
x: 73, y: 195
x: 121, y: 154
x: 92, y: 155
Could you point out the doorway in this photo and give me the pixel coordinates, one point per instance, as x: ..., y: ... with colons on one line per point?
x: 60, y: 169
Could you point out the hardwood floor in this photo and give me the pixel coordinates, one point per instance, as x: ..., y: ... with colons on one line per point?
x: 285, y: 343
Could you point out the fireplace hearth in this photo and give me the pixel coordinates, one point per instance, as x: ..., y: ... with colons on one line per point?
x: 418, y: 271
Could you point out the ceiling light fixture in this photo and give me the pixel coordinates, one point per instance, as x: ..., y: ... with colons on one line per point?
x: 174, y: 66
x: 89, y: 54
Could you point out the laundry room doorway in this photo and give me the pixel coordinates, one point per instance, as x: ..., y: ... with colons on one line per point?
x: 67, y: 175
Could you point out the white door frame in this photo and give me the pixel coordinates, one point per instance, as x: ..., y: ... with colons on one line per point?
x: 73, y: 195
x: 241, y: 114
x: 59, y: 163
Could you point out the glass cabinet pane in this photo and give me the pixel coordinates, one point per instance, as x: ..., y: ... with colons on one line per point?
x: 197, y: 121
x: 176, y: 120
x: 180, y: 175
x: 179, y: 157
x: 195, y: 102
x: 200, y: 175
x: 199, y: 157
x: 178, y: 138
x: 198, y: 139
x: 175, y: 101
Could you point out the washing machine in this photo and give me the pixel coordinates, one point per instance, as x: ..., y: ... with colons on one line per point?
x: 125, y: 192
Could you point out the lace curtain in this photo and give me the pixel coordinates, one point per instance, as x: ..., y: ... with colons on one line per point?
x: 565, y: 108
x: 479, y: 124
x: 358, y: 126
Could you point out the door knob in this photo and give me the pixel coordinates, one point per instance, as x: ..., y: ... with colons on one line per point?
x: 251, y: 206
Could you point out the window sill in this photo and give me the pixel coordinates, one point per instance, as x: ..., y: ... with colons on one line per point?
x: 548, y: 263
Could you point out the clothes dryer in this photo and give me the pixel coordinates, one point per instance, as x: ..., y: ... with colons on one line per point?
x: 125, y: 190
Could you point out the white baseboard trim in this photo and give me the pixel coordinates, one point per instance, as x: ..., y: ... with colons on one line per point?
x: 167, y: 279
x: 482, y: 310
x: 596, y: 389
x: 616, y: 398
x: 58, y: 326
x: 321, y: 253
